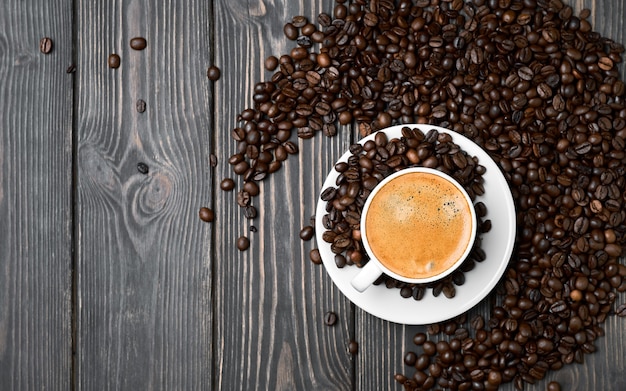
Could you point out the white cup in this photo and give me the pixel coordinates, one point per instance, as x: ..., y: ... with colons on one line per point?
x: 375, y: 268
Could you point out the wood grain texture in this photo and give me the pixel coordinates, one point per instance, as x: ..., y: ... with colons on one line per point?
x: 382, y: 357
x: 35, y: 197
x: 144, y: 274
x: 270, y: 333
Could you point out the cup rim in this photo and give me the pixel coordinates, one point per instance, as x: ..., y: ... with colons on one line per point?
x: 457, y: 263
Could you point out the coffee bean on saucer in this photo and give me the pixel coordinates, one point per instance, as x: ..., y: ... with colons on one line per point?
x: 330, y: 318
x: 243, y: 243
x: 206, y: 214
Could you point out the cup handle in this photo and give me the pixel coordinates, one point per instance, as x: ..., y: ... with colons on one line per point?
x: 366, y: 277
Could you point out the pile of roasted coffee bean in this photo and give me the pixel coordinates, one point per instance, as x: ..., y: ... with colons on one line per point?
x: 540, y: 91
x: 369, y: 164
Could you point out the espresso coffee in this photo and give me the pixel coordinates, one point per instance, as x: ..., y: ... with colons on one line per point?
x: 419, y: 225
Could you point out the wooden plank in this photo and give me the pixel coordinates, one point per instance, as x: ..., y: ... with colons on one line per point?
x: 382, y: 356
x: 144, y: 282
x: 270, y: 300
x: 35, y: 196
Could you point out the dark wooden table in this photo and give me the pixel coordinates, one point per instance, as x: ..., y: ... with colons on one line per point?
x: 108, y: 279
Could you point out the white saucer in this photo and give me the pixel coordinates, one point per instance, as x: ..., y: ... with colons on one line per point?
x: 497, y: 243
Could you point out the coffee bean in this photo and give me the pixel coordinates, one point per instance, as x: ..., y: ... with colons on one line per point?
x: 353, y: 347
x: 243, y: 243
x: 250, y: 212
x: 143, y: 168
x: 114, y: 61
x: 206, y: 214
x: 410, y: 358
x: 45, y: 45
x: 140, y: 105
x: 213, y: 73
x: 554, y: 386
x: 307, y: 233
x: 271, y: 63
x: 227, y: 184
x: 330, y: 318
x: 315, y: 256
x: 138, y: 43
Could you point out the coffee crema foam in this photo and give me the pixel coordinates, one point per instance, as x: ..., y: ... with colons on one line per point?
x: 418, y: 225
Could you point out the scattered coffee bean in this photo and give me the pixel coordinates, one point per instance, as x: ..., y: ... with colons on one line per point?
x: 138, y: 43
x: 250, y: 212
x: 315, y: 256
x: 213, y: 73
x: 140, y: 105
x: 243, y: 243
x: 227, y: 184
x: 143, y: 168
x: 45, y: 45
x: 307, y: 233
x: 353, y: 347
x: 554, y: 386
x: 114, y: 61
x: 330, y: 318
x: 271, y: 63
x: 206, y: 214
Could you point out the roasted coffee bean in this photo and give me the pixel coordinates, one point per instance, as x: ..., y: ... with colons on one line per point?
x: 213, y: 73
x: 554, y: 386
x: 243, y: 243
x: 315, y: 257
x: 227, y: 184
x: 307, y: 233
x: 114, y: 61
x: 271, y: 63
x: 140, y: 105
x: 250, y: 212
x: 138, y: 43
x: 353, y: 347
x: 330, y: 318
x: 45, y: 45
x: 143, y: 168
x: 206, y: 214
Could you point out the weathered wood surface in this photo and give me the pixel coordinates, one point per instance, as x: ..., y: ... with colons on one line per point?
x: 159, y: 299
x: 144, y: 283
x: 35, y: 197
